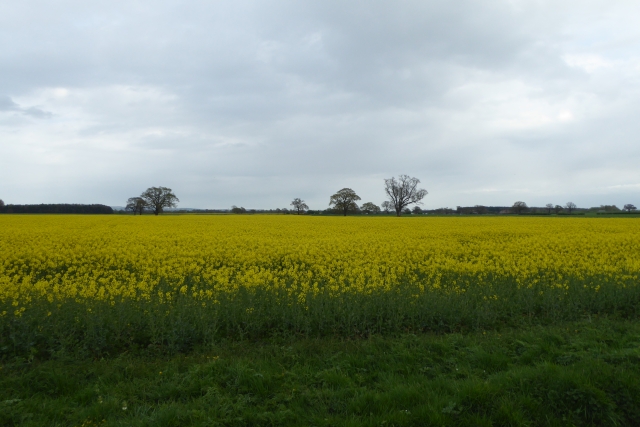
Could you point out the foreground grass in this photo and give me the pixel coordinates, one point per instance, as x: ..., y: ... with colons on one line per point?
x: 584, y: 373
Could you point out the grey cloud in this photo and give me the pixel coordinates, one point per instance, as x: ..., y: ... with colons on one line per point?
x: 7, y: 104
x: 265, y: 101
x: 37, y: 113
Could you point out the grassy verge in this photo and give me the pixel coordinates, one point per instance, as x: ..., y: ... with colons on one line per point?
x: 579, y: 373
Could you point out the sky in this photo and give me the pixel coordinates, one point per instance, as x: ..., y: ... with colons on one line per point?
x: 254, y: 103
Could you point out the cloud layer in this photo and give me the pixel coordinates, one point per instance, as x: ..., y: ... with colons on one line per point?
x: 254, y: 103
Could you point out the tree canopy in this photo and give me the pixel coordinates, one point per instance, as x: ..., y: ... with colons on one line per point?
x: 158, y: 198
x: 570, y: 207
x: 345, y: 201
x: 60, y: 208
x: 299, y: 205
x: 136, y: 205
x: 370, y: 208
x: 519, y: 207
x: 238, y: 210
x: 403, y: 192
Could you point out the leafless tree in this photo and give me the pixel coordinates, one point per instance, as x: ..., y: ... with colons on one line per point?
x: 158, y: 198
x: 386, y: 206
x: 136, y: 205
x: 519, y: 207
x: 628, y: 207
x: 570, y: 207
x: 403, y: 192
x: 299, y: 205
x: 370, y: 208
x: 344, y: 200
x: 549, y: 207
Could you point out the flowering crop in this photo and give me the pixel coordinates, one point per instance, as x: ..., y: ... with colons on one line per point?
x: 187, y: 279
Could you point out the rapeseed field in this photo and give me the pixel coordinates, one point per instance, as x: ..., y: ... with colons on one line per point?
x: 111, y: 282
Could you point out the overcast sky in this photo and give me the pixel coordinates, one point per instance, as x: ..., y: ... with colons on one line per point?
x: 253, y: 103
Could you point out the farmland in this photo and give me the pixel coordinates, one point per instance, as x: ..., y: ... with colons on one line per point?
x: 299, y: 320
x: 107, y: 284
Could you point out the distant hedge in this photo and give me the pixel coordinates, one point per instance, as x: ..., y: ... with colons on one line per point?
x: 56, y: 209
x: 618, y: 213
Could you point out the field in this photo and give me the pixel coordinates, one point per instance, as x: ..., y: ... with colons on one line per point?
x: 104, y: 284
x: 300, y: 320
x: 575, y: 374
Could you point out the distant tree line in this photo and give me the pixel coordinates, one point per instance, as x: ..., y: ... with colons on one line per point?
x: 401, y: 192
x: 521, y: 208
x: 56, y: 209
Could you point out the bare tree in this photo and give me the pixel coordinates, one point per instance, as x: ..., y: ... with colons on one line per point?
x: 570, y: 207
x: 386, y: 206
x: 136, y: 205
x: 403, y: 192
x: 299, y: 205
x: 370, y: 208
x: 158, y: 198
x: 345, y: 200
x: 519, y: 207
x: 549, y: 207
x: 628, y: 207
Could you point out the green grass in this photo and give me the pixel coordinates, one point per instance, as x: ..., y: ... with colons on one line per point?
x: 578, y: 373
